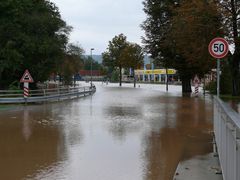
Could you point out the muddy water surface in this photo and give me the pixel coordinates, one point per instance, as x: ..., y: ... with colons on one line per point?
x: 117, y: 134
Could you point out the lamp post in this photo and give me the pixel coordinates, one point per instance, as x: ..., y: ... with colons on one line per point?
x: 91, y: 65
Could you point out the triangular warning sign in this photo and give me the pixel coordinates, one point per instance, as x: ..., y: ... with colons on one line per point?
x: 196, y: 80
x: 26, y: 77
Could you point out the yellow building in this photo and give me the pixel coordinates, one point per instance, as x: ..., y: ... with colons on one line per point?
x: 156, y: 75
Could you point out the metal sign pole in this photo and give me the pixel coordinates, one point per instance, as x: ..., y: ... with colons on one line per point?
x: 218, y: 48
x: 218, y: 77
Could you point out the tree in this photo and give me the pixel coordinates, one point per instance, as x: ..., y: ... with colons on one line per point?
x: 87, y: 64
x: 226, y: 78
x: 133, y: 55
x: 157, y: 27
x: 194, y: 24
x: 113, y: 56
x: 33, y: 36
x: 178, y: 33
x: 230, y: 10
x: 72, y: 63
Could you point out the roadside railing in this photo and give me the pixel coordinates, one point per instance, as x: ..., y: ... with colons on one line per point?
x: 227, y: 135
x: 43, y: 95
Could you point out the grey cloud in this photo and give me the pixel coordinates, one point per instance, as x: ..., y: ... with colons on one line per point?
x: 96, y: 22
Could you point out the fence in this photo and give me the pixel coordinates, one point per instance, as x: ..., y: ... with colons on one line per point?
x: 43, y: 95
x: 227, y: 135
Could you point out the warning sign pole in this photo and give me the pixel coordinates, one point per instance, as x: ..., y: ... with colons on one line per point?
x: 196, y: 90
x: 26, y: 79
x: 26, y: 90
x: 196, y: 82
x: 218, y: 77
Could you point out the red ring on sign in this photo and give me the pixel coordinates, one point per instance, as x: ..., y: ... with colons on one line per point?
x: 214, y: 54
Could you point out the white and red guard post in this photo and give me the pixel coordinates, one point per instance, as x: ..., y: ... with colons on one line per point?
x: 26, y: 79
x: 196, y: 82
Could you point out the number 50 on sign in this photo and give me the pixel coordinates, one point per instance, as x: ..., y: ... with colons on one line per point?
x: 218, y: 48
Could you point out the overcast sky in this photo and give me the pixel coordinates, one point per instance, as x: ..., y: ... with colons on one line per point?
x: 96, y: 22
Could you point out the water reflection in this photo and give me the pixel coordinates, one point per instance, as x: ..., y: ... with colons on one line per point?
x: 26, y: 145
x: 27, y: 129
x: 190, y: 137
x: 123, y: 120
x: 118, y: 133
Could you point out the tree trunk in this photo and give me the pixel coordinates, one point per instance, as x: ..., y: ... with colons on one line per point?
x: 167, y: 79
x: 186, y: 85
x: 235, y: 76
x: 120, y: 75
x: 1, y: 86
x: 134, y: 78
x: 74, y: 81
x: 204, y: 85
x: 236, y: 56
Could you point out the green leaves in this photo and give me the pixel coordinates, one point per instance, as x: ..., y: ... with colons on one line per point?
x: 122, y: 54
x: 33, y: 36
x: 177, y: 34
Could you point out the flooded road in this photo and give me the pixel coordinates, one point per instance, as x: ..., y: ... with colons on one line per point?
x: 117, y: 134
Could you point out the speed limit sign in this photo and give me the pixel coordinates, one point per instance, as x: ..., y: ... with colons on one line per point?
x: 218, y: 48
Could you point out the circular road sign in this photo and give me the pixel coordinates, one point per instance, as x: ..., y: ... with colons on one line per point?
x: 218, y: 48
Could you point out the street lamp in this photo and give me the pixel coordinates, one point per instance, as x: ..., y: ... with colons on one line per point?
x: 91, y: 65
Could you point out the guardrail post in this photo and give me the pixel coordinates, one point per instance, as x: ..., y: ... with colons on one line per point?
x: 77, y: 91
x: 59, y: 94
x: 69, y: 97
x: 25, y: 100
x: 238, y: 155
x: 235, y: 153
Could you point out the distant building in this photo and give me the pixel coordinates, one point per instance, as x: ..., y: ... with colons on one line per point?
x: 89, y: 73
x: 156, y: 75
x: 86, y: 75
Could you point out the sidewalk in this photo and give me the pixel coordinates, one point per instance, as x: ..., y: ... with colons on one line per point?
x: 199, y: 168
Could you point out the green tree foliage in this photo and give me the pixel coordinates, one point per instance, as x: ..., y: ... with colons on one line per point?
x: 95, y: 64
x: 113, y: 56
x: 226, y: 78
x: 122, y: 54
x: 133, y: 54
x: 194, y: 24
x: 72, y: 63
x: 33, y: 36
x: 156, y: 27
x: 177, y: 34
x: 230, y: 10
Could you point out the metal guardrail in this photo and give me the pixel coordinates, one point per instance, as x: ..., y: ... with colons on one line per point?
x: 227, y: 135
x: 44, y: 95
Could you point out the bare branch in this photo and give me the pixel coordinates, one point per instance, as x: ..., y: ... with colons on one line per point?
x: 226, y: 7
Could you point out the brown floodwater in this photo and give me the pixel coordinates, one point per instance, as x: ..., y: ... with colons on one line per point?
x: 117, y: 134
